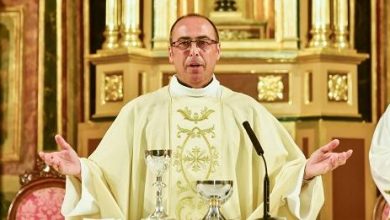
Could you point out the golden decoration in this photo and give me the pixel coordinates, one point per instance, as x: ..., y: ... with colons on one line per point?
x: 320, y: 24
x: 234, y: 35
x: 113, y: 88
x: 187, y: 114
x: 270, y: 88
x: 338, y: 87
x: 111, y: 32
x: 194, y: 159
x: 340, y: 11
x: 130, y: 26
x: 130, y: 37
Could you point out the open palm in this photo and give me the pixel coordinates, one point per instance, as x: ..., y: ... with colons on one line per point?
x: 66, y: 161
x: 324, y: 160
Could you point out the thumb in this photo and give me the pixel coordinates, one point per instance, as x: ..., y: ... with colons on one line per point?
x: 330, y: 146
x: 61, y: 141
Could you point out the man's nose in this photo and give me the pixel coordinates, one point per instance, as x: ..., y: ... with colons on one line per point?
x: 194, y: 49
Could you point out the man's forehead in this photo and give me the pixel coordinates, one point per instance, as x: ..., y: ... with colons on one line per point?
x: 193, y: 27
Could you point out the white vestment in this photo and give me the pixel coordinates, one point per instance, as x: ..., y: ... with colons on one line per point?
x: 203, y: 128
x: 380, y: 155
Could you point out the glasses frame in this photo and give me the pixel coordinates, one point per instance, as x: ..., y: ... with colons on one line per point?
x: 208, y: 42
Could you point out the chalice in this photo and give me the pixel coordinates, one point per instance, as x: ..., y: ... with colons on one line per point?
x: 158, y: 162
x: 216, y: 192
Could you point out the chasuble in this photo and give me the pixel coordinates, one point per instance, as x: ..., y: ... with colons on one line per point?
x: 380, y: 155
x: 203, y: 128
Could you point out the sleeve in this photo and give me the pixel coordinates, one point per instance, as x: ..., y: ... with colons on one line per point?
x: 379, y: 155
x: 104, y: 189
x: 290, y: 197
x: 79, y: 200
x: 303, y: 200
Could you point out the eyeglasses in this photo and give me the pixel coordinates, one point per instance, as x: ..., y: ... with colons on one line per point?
x: 201, y: 43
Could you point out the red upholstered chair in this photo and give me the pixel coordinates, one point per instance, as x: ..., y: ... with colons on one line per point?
x: 381, y: 209
x: 40, y: 196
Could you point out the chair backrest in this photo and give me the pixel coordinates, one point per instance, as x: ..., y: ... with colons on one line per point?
x: 381, y: 209
x: 40, y: 196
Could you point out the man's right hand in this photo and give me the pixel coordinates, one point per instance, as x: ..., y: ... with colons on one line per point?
x: 66, y: 161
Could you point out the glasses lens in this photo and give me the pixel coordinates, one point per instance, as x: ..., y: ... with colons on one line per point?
x: 200, y: 43
x: 184, y: 44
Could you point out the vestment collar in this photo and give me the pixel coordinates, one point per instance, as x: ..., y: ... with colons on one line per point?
x: 213, y: 89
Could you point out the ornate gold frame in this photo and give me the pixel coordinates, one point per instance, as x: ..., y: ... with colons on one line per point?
x: 12, y: 19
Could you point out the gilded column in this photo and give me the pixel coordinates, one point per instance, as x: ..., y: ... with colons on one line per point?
x: 130, y: 28
x: 111, y: 32
x: 320, y: 19
x: 164, y: 16
x: 340, y: 11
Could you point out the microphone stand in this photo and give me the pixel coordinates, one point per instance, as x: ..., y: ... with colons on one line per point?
x: 260, y: 152
x: 266, y: 215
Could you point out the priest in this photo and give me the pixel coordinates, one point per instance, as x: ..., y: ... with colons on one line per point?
x: 201, y: 122
x: 380, y: 155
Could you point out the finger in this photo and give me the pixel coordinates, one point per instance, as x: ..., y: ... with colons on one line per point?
x: 46, y: 157
x: 61, y: 141
x: 349, y: 153
x: 335, y: 162
x: 42, y: 155
x: 330, y: 146
x: 341, y: 158
x: 57, y: 166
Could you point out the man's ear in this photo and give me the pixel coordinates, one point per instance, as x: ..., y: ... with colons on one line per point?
x: 170, y: 55
x: 219, y: 50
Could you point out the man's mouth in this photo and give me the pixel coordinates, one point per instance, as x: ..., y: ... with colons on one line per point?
x: 194, y: 65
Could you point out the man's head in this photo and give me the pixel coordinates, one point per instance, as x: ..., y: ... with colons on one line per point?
x: 194, y: 49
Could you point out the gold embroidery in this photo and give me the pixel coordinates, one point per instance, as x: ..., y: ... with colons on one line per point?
x: 187, y: 114
x: 196, y: 132
x: 187, y: 205
x: 183, y: 160
x: 195, y: 158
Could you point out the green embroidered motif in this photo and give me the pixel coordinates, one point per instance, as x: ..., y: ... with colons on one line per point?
x: 197, y: 159
x: 387, y: 191
x: 195, y: 132
x: 187, y: 114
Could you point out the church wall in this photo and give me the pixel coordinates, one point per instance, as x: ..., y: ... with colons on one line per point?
x: 26, y: 147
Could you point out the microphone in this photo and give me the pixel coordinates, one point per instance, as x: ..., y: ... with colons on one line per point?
x: 260, y: 152
x: 253, y: 138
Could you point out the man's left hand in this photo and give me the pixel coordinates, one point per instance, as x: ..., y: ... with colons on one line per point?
x: 324, y: 160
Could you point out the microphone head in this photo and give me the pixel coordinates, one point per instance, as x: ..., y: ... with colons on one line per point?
x: 253, y: 138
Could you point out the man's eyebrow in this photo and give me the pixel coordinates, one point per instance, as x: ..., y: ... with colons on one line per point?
x: 197, y: 37
x: 184, y: 38
x: 202, y: 37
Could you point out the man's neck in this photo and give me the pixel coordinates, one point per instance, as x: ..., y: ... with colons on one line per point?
x: 186, y: 85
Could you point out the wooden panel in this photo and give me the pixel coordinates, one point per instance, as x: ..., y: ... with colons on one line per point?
x: 92, y: 145
x: 90, y: 135
x: 305, y: 146
x: 349, y: 182
x: 247, y: 83
x: 244, y: 82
